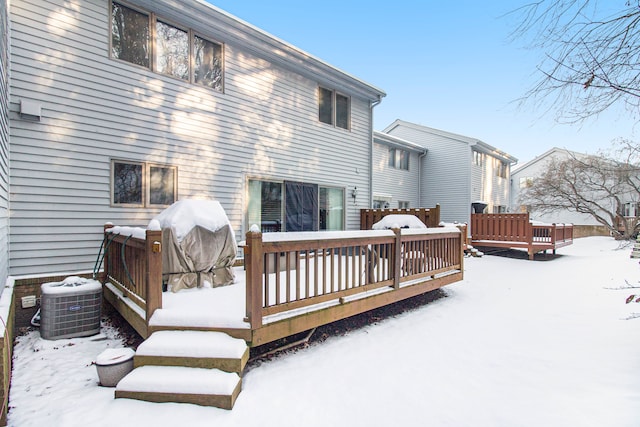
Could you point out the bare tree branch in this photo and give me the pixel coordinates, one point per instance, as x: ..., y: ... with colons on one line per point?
x: 601, y: 186
x: 592, y: 55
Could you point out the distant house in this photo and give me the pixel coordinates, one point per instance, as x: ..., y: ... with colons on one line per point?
x: 116, y: 109
x: 524, y: 175
x: 454, y: 171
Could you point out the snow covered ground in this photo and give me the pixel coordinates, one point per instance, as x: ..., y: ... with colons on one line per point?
x: 517, y: 343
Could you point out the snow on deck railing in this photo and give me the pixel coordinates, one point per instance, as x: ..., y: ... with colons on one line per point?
x: 133, y: 262
x: 518, y: 231
x: 288, y: 271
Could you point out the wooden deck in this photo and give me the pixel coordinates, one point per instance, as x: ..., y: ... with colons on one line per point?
x: 517, y: 231
x: 293, y: 281
x: 289, y: 283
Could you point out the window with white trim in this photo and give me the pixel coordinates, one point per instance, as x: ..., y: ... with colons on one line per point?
x: 398, y: 158
x: 631, y: 209
x: 526, y: 182
x: 478, y: 158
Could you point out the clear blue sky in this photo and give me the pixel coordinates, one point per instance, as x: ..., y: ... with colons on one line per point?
x: 450, y: 65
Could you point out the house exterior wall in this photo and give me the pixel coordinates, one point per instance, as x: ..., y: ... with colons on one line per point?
x: 487, y: 186
x: 446, y: 172
x: 4, y: 141
x: 392, y: 184
x: 534, y: 169
x: 94, y: 109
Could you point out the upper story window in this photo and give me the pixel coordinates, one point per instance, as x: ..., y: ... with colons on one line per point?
x: 478, y: 158
x: 333, y: 108
x: 526, y: 182
x: 130, y: 35
x: 398, y: 159
x: 173, y: 51
x: 208, y: 63
x: 501, y: 170
x: 631, y: 209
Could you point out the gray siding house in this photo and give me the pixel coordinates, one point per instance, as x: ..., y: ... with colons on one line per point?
x: 524, y: 175
x: 397, y: 172
x: 456, y: 171
x: 119, y: 108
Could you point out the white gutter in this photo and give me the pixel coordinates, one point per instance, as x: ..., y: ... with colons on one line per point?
x: 372, y: 105
x: 420, y: 166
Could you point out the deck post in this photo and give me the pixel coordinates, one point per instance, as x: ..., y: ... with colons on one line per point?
x: 253, y: 258
x: 153, y: 252
x: 105, y: 259
x: 397, y: 257
x: 435, y: 216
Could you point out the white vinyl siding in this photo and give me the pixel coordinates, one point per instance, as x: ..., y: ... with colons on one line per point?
x: 395, y: 184
x: 446, y: 173
x: 454, y: 171
x: 487, y: 185
x: 4, y: 143
x: 95, y: 108
x: 533, y: 169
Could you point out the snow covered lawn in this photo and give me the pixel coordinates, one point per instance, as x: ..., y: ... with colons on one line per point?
x: 517, y: 343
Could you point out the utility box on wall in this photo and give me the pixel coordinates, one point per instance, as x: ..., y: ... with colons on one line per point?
x: 70, y: 308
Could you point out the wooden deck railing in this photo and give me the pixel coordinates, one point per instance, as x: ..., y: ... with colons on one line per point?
x: 555, y: 234
x: 134, y: 265
x: 429, y: 216
x: 297, y: 275
x: 516, y: 230
x: 290, y: 271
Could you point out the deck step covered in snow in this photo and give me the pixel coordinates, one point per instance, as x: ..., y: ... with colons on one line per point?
x: 207, y: 387
x: 196, y: 349
x: 199, y: 367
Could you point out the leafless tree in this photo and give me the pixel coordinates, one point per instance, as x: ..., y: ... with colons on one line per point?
x: 592, y: 55
x: 605, y: 186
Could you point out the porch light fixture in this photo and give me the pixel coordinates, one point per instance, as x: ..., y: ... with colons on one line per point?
x: 354, y: 194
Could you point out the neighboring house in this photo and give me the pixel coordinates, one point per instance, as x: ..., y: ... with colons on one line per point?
x: 119, y: 108
x: 4, y: 142
x: 456, y: 171
x: 523, y: 176
x: 397, y: 172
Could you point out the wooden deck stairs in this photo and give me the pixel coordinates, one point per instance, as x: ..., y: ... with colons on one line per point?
x: 198, y: 367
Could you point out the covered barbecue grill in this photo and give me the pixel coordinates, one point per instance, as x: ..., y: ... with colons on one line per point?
x: 199, y: 246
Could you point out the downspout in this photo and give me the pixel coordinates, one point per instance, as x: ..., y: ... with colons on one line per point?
x: 371, y: 107
x: 420, y: 166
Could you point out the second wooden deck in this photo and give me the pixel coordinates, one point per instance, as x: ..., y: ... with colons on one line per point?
x: 518, y: 231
